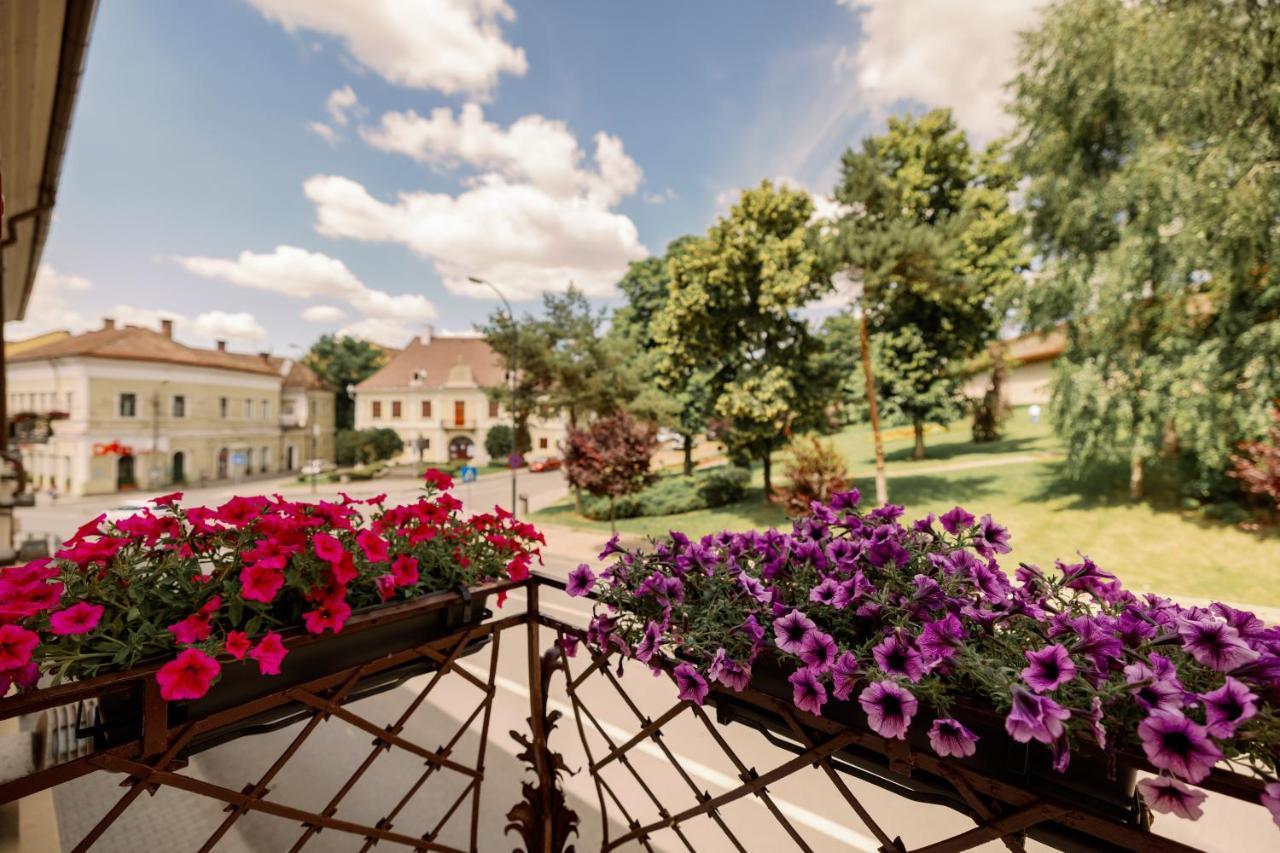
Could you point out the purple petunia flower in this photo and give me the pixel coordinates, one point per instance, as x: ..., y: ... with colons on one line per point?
x: 649, y: 643
x: 990, y: 538
x: 1174, y: 743
x: 951, y: 739
x: 1169, y: 796
x: 581, y: 581
x: 807, y: 691
x: 1033, y: 717
x: 1271, y: 799
x: 825, y: 592
x: 897, y: 655
x: 955, y: 520
x: 1094, y: 722
x: 1215, y: 644
x: 692, y: 686
x: 941, y: 638
x: 1150, y: 690
x: 845, y: 500
x: 844, y: 675
x: 1228, y: 707
x: 753, y: 588
x: 791, y: 630
x: 729, y: 672
x: 889, y: 708
x: 818, y: 651
x: 1048, y: 668
x: 752, y: 628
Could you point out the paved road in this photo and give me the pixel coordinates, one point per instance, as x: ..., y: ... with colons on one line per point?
x: 177, y: 821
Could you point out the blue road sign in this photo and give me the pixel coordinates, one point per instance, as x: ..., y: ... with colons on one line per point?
x: 237, y: 458
x: 468, y: 473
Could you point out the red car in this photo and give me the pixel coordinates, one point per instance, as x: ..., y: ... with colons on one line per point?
x: 545, y: 463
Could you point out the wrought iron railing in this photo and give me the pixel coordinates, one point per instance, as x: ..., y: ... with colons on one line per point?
x: 567, y: 699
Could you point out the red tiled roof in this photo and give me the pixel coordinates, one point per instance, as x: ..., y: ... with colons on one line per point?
x: 1032, y: 348
x: 431, y: 363
x: 134, y: 343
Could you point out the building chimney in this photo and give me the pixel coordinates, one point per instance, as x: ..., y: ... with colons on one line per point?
x: 166, y: 328
x: 108, y: 323
x: 222, y: 346
x: 425, y: 334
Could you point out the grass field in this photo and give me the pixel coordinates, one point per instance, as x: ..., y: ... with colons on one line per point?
x: 1019, y: 481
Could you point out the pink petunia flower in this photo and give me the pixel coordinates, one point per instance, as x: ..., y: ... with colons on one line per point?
x: 1169, y: 796
x: 889, y: 708
x: 405, y: 570
x: 331, y: 615
x: 188, y: 676
x: 237, y: 644
x: 261, y: 581
x: 386, y: 585
x: 16, y: 646
x: 952, y: 739
x: 373, y: 546
x: 80, y: 618
x: 269, y: 652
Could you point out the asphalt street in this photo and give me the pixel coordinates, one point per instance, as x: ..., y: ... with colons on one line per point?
x: 807, y: 801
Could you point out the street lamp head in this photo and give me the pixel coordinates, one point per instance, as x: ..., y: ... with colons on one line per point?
x: 475, y: 280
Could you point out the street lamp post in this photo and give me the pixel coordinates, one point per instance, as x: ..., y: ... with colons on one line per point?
x: 515, y: 356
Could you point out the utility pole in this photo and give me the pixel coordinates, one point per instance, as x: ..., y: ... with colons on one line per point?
x: 515, y: 366
x: 882, y: 486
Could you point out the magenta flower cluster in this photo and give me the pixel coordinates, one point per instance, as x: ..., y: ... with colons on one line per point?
x: 916, y: 621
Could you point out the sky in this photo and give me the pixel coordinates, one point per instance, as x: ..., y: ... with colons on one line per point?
x: 267, y: 171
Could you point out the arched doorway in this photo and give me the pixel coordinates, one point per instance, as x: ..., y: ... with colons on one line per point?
x: 179, y: 474
x: 461, y: 448
x: 224, y: 459
x: 124, y: 472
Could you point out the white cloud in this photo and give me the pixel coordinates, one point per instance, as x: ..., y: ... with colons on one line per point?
x: 51, y: 305
x: 324, y: 314
x: 322, y: 130
x: 942, y: 54
x: 453, y: 46
x: 661, y: 198
x: 536, y: 150
x: 386, y: 332
x: 301, y: 274
x: 340, y: 103
x: 519, y: 236
x: 240, y: 326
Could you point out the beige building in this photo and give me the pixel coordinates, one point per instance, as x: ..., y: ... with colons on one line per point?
x: 128, y: 407
x: 432, y: 394
x: 1030, y: 374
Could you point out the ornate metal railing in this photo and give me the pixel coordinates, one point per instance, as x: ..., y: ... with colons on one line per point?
x: 634, y: 810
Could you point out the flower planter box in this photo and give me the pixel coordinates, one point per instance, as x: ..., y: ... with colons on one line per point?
x: 120, y: 713
x: 1090, y: 783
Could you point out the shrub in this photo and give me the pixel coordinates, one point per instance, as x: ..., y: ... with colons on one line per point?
x: 611, y: 457
x: 1257, y: 466
x: 815, y: 471
x: 675, y: 494
x: 498, y: 442
x: 356, y: 446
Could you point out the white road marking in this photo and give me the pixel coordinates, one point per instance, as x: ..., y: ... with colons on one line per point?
x: 830, y: 828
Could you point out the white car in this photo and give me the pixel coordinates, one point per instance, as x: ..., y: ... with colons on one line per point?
x: 315, y: 467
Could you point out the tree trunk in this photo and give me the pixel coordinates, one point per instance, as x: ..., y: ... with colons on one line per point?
x: 577, y: 499
x: 768, y: 478
x: 613, y: 515
x: 918, y: 453
x: 882, y: 484
x: 1136, y: 473
x: 688, y: 454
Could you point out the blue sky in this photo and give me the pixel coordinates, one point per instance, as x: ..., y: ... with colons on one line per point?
x: 269, y: 170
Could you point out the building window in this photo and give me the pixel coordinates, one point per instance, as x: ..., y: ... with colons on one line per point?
x: 67, y: 408
x: 395, y: 408
x: 426, y: 408
x: 542, y: 444
x: 266, y: 410
x: 459, y: 413
x: 179, y: 406
x: 377, y: 408
x: 265, y: 459
x: 493, y: 408
x: 128, y: 405
x: 222, y: 407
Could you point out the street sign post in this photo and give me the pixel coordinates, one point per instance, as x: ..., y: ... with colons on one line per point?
x: 468, y: 473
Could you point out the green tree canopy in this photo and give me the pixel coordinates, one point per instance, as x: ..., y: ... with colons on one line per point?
x: 341, y: 360
x: 933, y: 238
x: 1150, y: 135
x: 731, y: 308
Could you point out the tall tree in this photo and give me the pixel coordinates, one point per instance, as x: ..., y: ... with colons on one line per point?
x: 341, y: 360
x: 674, y: 395
x: 610, y: 457
x: 1150, y: 133
x: 937, y: 246
x: 731, y: 306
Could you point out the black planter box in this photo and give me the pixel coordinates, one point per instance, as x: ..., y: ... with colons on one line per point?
x: 120, y: 713
x: 1091, y: 783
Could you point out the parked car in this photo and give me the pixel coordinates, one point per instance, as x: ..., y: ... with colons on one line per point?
x: 127, y: 509
x: 316, y: 467
x: 545, y: 463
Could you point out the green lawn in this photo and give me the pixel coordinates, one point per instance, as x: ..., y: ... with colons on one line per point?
x: 1149, y: 547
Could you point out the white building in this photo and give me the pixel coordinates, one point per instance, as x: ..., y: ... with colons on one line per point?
x: 432, y: 393
x: 1030, y: 375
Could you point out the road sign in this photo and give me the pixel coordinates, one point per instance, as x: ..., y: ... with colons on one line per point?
x: 237, y: 458
x: 468, y: 473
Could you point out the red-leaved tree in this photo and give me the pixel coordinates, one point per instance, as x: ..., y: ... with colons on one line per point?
x: 1257, y: 465
x: 610, y: 458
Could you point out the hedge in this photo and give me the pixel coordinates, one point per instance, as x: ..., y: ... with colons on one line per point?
x: 675, y: 493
